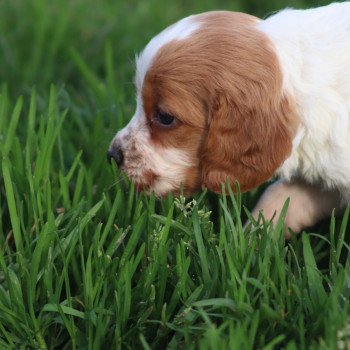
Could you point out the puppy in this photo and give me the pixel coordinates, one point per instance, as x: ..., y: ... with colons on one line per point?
x: 225, y: 95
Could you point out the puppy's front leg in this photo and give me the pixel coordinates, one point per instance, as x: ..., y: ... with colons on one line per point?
x: 308, y: 204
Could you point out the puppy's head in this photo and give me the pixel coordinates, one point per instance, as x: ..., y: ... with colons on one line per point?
x: 210, y: 106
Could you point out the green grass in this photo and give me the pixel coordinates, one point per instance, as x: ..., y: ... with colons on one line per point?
x: 85, y: 261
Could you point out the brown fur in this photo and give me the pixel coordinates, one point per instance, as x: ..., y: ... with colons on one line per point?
x: 224, y: 85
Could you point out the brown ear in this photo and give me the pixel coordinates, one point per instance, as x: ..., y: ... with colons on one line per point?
x: 247, y: 140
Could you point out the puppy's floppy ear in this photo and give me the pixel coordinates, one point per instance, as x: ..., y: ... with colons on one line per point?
x: 248, y: 139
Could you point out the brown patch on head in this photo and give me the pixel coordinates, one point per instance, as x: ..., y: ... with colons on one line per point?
x: 224, y: 86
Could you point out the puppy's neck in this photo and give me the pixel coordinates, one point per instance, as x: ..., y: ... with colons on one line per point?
x: 313, y: 48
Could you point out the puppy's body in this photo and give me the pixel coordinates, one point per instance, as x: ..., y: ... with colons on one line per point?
x: 313, y: 47
x: 226, y: 95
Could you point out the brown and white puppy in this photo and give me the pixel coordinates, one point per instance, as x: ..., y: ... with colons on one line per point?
x: 227, y: 95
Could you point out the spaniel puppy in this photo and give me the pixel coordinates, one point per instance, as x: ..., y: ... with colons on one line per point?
x: 227, y: 95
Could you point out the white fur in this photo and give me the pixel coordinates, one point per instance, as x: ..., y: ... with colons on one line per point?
x: 313, y: 47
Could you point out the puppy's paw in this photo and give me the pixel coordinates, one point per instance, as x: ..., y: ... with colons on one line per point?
x: 308, y: 204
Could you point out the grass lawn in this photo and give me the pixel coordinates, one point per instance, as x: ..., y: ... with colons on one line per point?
x: 86, y: 262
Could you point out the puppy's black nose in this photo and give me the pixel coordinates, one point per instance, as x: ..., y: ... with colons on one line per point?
x: 115, y: 153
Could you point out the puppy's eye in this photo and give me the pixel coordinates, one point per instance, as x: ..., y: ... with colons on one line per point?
x: 164, y: 119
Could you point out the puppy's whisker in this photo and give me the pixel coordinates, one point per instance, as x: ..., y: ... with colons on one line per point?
x: 121, y: 179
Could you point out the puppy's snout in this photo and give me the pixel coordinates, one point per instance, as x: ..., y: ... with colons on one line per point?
x: 116, y: 153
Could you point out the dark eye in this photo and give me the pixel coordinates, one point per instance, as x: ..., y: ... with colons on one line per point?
x: 165, y: 119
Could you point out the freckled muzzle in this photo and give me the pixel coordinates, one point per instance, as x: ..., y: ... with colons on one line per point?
x: 130, y: 153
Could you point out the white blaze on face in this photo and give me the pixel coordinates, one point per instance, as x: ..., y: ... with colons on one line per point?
x: 178, y: 31
x: 141, y: 158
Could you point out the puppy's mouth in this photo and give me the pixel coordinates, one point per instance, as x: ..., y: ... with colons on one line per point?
x: 144, y: 182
